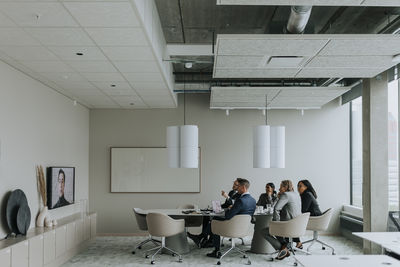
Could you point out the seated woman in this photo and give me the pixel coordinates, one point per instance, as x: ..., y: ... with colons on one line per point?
x: 286, y: 208
x: 269, y: 197
x: 308, y: 202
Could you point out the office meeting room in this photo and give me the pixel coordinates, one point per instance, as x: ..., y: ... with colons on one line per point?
x: 199, y: 133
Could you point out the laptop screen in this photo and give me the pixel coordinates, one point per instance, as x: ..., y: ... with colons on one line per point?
x: 216, y: 206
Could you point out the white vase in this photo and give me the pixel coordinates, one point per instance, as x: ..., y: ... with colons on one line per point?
x: 42, y: 215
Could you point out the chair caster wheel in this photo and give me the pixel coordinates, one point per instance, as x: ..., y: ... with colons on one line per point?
x: 140, y: 247
x: 218, y: 263
x: 244, y: 257
x: 133, y: 252
x: 180, y: 260
x: 323, y: 248
x: 333, y: 253
x: 147, y: 256
x: 222, y: 245
x: 249, y: 263
x: 152, y: 262
x: 295, y: 264
x: 173, y: 254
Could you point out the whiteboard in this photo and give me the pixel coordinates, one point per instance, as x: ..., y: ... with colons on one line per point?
x: 145, y: 170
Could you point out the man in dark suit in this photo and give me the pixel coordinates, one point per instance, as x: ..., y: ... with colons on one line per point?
x: 231, y: 196
x: 203, y: 240
x: 245, y: 204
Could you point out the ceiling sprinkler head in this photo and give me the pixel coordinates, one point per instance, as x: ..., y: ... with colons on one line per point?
x: 188, y: 65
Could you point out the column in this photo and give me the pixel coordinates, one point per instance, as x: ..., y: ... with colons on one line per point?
x: 375, y: 156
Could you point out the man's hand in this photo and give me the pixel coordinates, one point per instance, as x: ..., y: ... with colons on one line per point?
x: 224, y: 194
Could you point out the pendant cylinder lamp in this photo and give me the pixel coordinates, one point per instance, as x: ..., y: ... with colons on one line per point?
x: 277, y: 147
x: 173, y: 147
x: 182, y: 145
x: 269, y: 146
x: 261, y: 146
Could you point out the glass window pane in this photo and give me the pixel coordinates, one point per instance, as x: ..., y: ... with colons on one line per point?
x: 393, y: 146
x: 356, y: 151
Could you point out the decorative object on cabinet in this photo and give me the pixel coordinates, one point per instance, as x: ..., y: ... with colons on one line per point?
x: 60, y: 186
x: 23, y: 218
x: 16, y: 200
x: 41, y: 183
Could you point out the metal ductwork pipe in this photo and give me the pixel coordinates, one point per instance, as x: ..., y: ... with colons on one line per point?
x: 298, y: 19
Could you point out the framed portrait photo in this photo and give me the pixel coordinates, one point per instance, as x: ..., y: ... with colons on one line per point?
x: 60, y: 186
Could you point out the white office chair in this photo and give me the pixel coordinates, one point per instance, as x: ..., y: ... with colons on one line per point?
x: 163, y: 226
x: 237, y: 227
x: 142, y: 224
x: 293, y: 228
x: 319, y: 223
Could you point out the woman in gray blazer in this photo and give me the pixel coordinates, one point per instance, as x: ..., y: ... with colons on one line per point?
x: 286, y: 208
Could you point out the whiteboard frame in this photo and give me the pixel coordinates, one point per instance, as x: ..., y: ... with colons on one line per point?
x: 127, y: 192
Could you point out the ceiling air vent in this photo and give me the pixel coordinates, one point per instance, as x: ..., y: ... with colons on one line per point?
x: 284, y: 61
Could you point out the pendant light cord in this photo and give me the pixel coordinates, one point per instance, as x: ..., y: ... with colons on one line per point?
x: 266, y: 110
x: 184, y: 98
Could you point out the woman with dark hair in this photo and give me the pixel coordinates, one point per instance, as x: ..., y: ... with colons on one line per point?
x: 269, y: 197
x: 308, y: 202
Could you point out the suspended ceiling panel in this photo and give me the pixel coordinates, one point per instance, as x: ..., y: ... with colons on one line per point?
x: 121, y: 45
x: 304, y: 56
x: 276, y: 97
x: 311, y: 2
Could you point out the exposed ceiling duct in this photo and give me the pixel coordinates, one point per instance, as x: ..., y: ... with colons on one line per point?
x: 298, y: 19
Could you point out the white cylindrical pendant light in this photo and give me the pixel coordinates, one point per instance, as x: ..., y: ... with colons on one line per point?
x: 261, y: 146
x: 277, y: 147
x: 189, y: 146
x: 173, y: 146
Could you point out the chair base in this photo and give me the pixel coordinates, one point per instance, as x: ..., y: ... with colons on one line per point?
x: 234, y: 248
x: 230, y: 239
x: 292, y: 249
x: 316, y: 240
x: 159, y: 251
x: 150, y: 239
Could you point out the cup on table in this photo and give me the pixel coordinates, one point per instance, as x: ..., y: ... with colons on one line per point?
x: 269, y: 208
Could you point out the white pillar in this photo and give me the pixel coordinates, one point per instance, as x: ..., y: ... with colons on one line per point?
x: 375, y: 156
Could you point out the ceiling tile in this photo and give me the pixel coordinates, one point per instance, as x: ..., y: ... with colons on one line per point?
x: 71, y: 85
x: 63, y: 76
x: 16, y: 36
x: 128, y: 53
x: 28, y: 52
x: 47, y: 66
x: 118, y: 36
x: 70, y: 53
x: 338, y: 72
x: 103, y: 14
x: 148, y: 86
x: 61, y: 36
x: 144, y: 77
x: 38, y: 14
x: 255, y: 73
x: 6, y: 22
x: 351, y: 62
x: 363, y: 46
x: 273, y: 46
x: 92, y: 66
x: 103, y: 77
x: 136, y: 66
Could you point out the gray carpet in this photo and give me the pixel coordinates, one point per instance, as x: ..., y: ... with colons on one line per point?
x: 116, y: 251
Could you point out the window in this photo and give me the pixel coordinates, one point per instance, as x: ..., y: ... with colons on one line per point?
x: 356, y: 151
x: 393, y: 139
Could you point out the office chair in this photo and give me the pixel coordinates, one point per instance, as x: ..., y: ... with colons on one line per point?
x: 141, y: 222
x: 163, y: 226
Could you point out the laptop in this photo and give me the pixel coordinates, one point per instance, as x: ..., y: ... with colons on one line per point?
x: 216, y: 206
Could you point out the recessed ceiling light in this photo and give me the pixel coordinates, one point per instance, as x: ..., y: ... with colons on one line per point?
x: 113, y: 85
x: 79, y: 54
x: 131, y: 104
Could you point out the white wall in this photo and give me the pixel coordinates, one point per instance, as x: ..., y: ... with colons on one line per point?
x: 39, y: 126
x: 317, y: 149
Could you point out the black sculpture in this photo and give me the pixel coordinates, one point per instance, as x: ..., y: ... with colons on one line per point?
x: 18, y: 212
